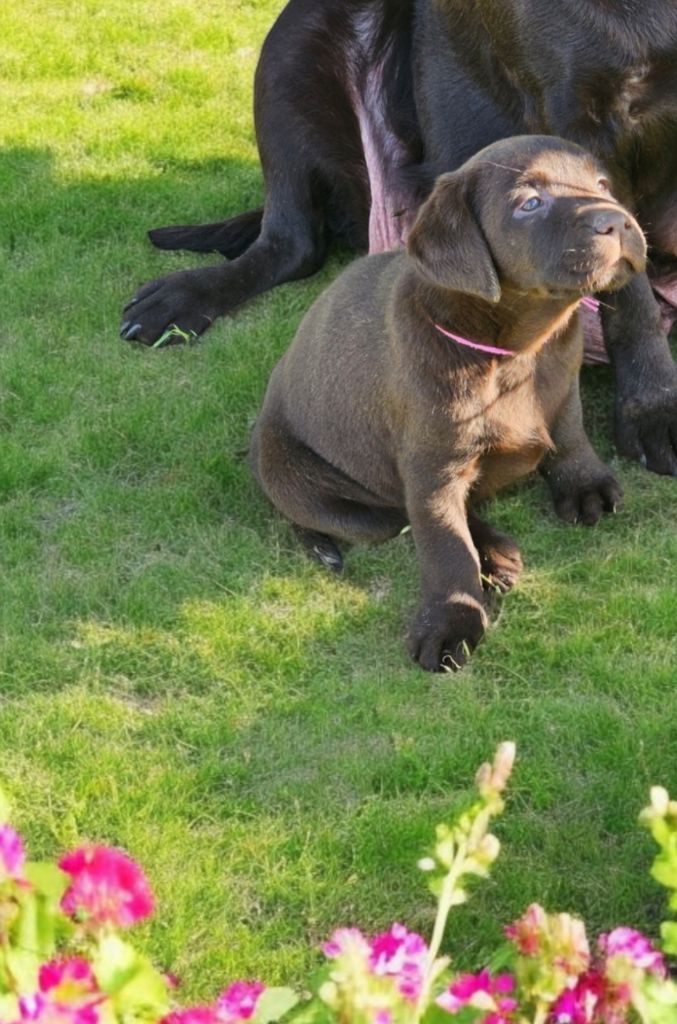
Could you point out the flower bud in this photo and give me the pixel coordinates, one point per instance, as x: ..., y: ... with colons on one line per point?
x: 427, y: 864
x: 660, y: 800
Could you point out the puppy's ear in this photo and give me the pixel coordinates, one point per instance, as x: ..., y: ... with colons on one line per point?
x: 447, y: 244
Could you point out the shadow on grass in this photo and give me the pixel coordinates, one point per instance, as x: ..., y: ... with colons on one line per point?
x: 40, y: 208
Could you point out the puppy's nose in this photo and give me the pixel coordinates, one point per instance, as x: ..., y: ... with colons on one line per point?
x: 611, y: 222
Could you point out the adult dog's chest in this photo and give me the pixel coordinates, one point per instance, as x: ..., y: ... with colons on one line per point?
x: 631, y: 96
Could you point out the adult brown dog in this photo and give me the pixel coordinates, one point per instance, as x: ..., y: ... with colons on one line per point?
x: 420, y: 383
x: 360, y: 104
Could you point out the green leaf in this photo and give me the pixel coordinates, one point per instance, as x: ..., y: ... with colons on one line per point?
x: 5, y: 808
x: 25, y: 931
x: 9, y: 1009
x: 664, y: 870
x: 467, y: 1015
x: 129, y: 978
x: 115, y: 964
x: 146, y: 990
x: 659, y: 1000
x: 273, y: 1004
x: 669, y: 935
x: 23, y: 965
x: 503, y: 958
x: 48, y: 879
x: 314, y: 1011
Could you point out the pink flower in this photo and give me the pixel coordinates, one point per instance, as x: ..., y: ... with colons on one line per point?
x: 67, y: 980
x: 12, y: 855
x: 579, y: 1005
x: 400, y: 954
x: 107, y: 887
x: 381, y: 1017
x: 238, y: 1001
x: 527, y: 931
x: 194, y: 1015
x: 40, y: 1010
x: 481, y: 992
x: 68, y: 994
x: 557, y: 942
x: 346, y: 941
x: 636, y: 947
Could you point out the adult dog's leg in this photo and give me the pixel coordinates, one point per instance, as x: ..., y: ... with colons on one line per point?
x: 311, y: 154
x: 646, y: 377
x: 291, y: 245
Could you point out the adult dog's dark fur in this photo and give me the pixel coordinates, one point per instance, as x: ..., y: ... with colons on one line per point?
x: 360, y: 104
x: 375, y: 418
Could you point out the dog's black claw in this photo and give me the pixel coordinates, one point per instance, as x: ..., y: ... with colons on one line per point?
x: 329, y: 556
x: 321, y: 548
x: 129, y: 333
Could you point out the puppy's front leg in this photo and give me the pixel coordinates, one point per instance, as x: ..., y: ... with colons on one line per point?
x: 582, y: 486
x: 451, y: 619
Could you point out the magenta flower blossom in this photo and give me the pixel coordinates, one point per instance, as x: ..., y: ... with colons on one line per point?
x: 68, y: 994
x: 346, y: 941
x: 193, y: 1015
x: 238, y: 1001
x: 481, y: 992
x: 381, y: 1017
x: 37, y: 1009
x: 635, y: 947
x: 400, y: 954
x: 67, y: 980
x: 107, y: 888
x: 580, y: 1005
x: 12, y: 855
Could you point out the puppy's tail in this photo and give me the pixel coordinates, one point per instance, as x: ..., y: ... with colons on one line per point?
x: 229, y: 237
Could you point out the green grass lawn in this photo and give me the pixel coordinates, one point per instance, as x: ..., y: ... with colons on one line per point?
x: 174, y: 676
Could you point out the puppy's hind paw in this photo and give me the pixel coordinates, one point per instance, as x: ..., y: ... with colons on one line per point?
x: 321, y: 548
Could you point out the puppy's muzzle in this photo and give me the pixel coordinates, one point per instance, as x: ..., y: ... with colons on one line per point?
x: 614, y: 235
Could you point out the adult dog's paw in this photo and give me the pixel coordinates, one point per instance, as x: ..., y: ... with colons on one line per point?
x: 171, y: 310
x: 645, y: 423
x: 445, y: 633
x: 583, y: 494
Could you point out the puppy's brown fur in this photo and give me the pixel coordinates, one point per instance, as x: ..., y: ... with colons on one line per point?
x: 374, y: 419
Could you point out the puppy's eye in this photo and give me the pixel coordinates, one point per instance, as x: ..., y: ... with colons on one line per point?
x: 603, y: 184
x: 531, y: 204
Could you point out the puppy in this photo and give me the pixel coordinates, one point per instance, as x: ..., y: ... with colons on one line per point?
x: 421, y: 382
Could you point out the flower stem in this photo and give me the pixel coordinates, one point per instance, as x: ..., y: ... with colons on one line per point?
x: 443, y: 907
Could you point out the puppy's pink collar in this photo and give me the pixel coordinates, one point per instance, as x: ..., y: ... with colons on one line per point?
x: 474, y: 344
x: 589, y: 302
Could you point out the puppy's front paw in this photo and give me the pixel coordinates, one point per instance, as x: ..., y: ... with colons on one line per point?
x: 444, y: 633
x: 582, y: 495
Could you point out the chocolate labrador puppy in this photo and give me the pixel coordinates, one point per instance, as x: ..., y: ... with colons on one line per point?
x: 360, y: 104
x: 423, y: 381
